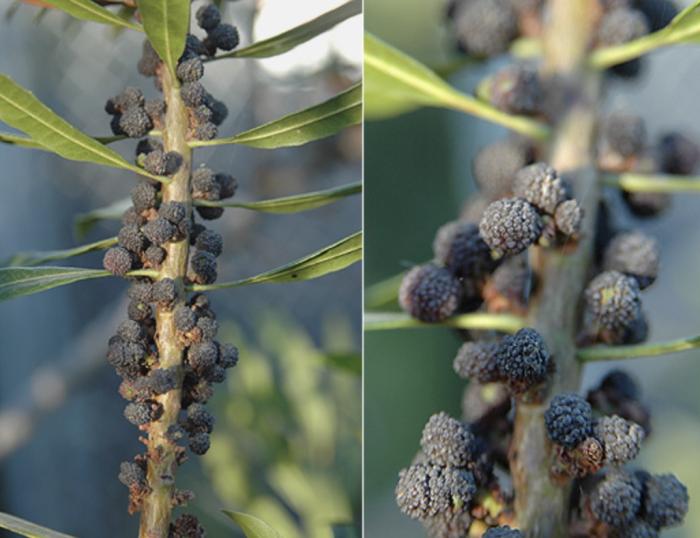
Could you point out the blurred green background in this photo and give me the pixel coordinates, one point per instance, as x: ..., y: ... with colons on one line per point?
x: 417, y: 175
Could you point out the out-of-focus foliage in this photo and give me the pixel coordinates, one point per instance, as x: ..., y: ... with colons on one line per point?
x: 286, y: 447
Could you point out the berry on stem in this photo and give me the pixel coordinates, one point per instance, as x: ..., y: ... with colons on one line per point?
x: 430, y: 293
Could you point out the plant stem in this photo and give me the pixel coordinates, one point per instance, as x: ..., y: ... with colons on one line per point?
x: 632, y: 182
x: 542, y: 505
x: 162, y: 452
x: 383, y: 321
x: 609, y: 353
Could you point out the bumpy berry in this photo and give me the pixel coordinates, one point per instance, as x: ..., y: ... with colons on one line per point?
x: 135, y: 122
x: 228, y: 355
x: 494, y: 166
x: 199, y: 443
x: 477, y: 361
x: 516, y: 89
x: 210, y: 241
x: 459, y: 247
x: 139, y: 311
x: 208, y: 327
x: 426, y: 490
x: 622, y: 25
x: 665, y: 501
x: 159, y: 231
x: 203, y: 267
x: 568, y: 218
x: 634, y: 254
x: 155, y: 108
x: 131, y: 474
x: 161, y: 380
x: 192, y: 93
x: 430, y: 293
x: 448, y: 525
x: 636, y: 529
x: 141, y: 413
x: 190, y: 70
x: 118, y: 261
x: 502, y: 532
x: 485, y: 27
x: 202, y: 356
x: 141, y: 291
x: 147, y: 145
x: 510, y: 286
x: 185, y: 318
x: 204, y: 184
x: 208, y: 17
x: 154, y: 255
x: 678, y: 154
x: 540, y: 185
x: 206, y: 131
x: 625, y: 134
x: 447, y: 441
x: 227, y: 185
x: 617, y: 499
x: 510, y: 226
x: 164, y: 292
x: 130, y: 98
x: 568, y: 420
x: 144, y: 196
x: 621, y: 439
x: 150, y: 61
x: 186, y: 526
x: 619, y: 386
x: 199, y: 419
x: 613, y: 307
x: 173, y: 212
x: 647, y: 204
x: 523, y: 360
x: 131, y: 331
x: 131, y: 238
x: 224, y: 37
x: 131, y: 216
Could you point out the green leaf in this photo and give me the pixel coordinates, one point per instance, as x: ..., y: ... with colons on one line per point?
x: 296, y: 36
x: 251, y: 526
x: 330, y: 259
x: 25, y: 528
x: 21, y: 110
x: 684, y: 28
x: 633, y: 182
x: 87, y: 10
x: 319, y: 121
x: 385, y: 321
x: 349, y: 362
x: 397, y: 83
x: 292, y: 204
x: 84, y: 222
x: 29, y: 259
x: 17, y: 140
x: 166, y: 23
x: 384, y: 292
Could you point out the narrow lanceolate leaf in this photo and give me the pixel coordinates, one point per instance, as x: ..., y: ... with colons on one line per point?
x: 28, y: 529
x: 684, y: 28
x: 85, y: 221
x: 87, y: 10
x: 632, y: 182
x: 166, y: 23
x: 26, y: 142
x: 29, y: 259
x: 20, y: 281
x: 330, y: 259
x: 251, y: 526
x: 384, y: 321
x: 319, y: 121
x: 655, y: 349
x: 397, y: 83
x: 296, y: 36
x: 21, y: 110
x: 292, y: 204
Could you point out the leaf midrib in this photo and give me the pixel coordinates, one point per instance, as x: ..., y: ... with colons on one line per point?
x: 95, y: 10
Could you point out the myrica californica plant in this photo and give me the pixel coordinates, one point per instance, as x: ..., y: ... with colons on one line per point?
x: 165, y: 351
x: 538, y: 277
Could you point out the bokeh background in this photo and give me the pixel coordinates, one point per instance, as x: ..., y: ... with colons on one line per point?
x: 417, y: 176
x: 286, y: 447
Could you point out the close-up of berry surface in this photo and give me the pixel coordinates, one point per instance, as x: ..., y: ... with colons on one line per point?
x: 531, y: 225
x: 179, y: 290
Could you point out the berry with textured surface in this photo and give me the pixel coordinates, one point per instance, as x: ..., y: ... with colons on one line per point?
x: 622, y: 25
x: 509, y: 226
x: 202, y: 356
x: 613, y: 307
x: 516, y: 89
x: 625, y: 134
x: 228, y: 355
x: 186, y: 526
x: 494, y: 166
x: 477, y: 361
x: 665, y: 501
x: 523, y: 360
x: 678, y: 154
x: 447, y: 441
x: 144, y: 196
x: 502, y: 532
x: 131, y: 474
x: 540, y: 185
x: 621, y: 439
x: 135, y: 123
x: 568, y: 218
x: 634, y: 254
x: 617, y: 499
x: 164, y: 292
x: 485, y: 28
x: 131, y: 238
x: 118, y: 261
x: 192, y: 93
x: 199, y: 419
x: 459, y: 247
x: 190, y: 70
x: 224, y: 37
x: 210, y: 241
x: 203, y: 267
x: 185, y: 318
x: 199, y: 443
x: 430, y: 293
x: 159, y: 231
x: 569, y: 420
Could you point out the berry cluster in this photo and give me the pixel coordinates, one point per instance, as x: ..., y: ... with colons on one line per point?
x: 151, y: 229
x: 441, y: 487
